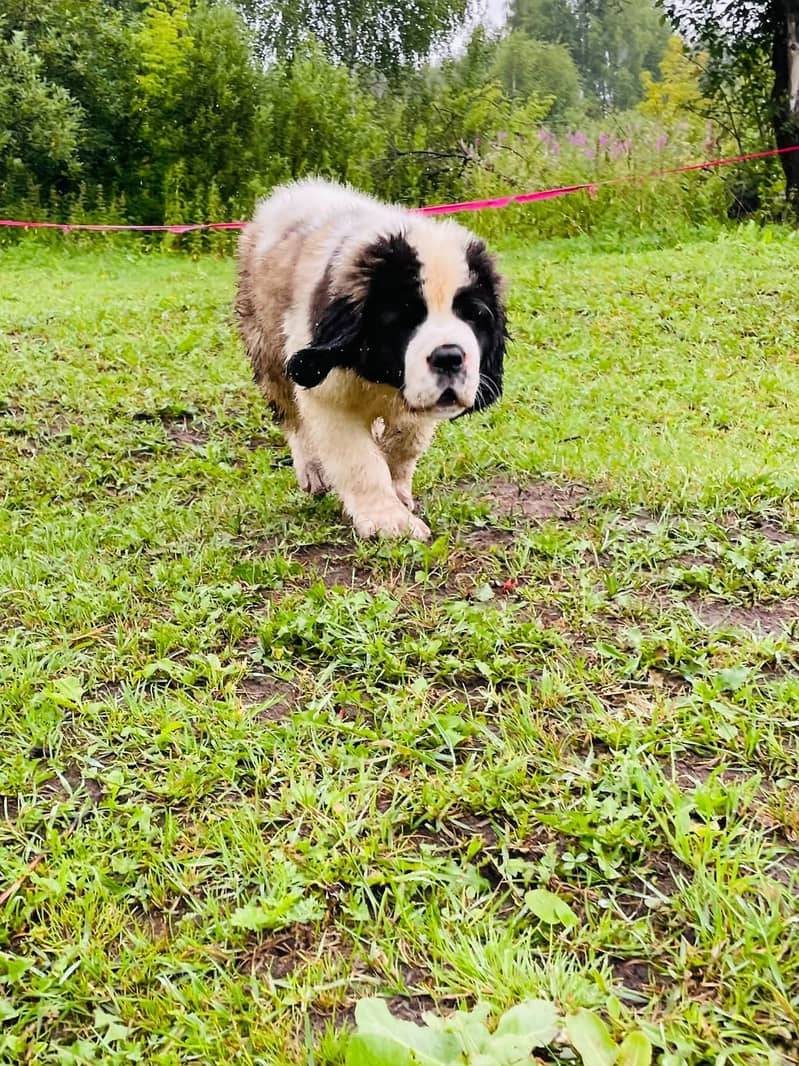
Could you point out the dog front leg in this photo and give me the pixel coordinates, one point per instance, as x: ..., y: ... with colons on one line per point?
x: 359, y: 474
x: 403, y: 445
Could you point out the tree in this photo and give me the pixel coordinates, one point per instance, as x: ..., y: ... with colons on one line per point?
x: 611, y: 41
x: 678, y: 91
x: 219, y: 96
x: 356, y: 33
x: 87, y: 48
x: 739, y: 36
x: 40, y: 123
x: 320, y: 119
x: 526, y: 67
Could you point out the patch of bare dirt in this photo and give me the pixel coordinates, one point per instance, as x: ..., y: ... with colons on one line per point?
x: 776, y: 534
x: 185, y: 435
x: 71, y: 782
x: 257, y: 441
x: 786, y: 869
x: 690, y: 560
x: 688, y: 773
x: 178, y: 426
x: 655, y: 888
x: 464, y: 826
x: 633, y: 975
x: 411, y: 1008
x: 334, y: 564
x: 9, y: 808
x: 488, y: 540
x: 108, y: 692
x: 277, y: 698
x: 159, y: 922
x: 540, y: 500
x: 281, y: 953
x: 768, y: 619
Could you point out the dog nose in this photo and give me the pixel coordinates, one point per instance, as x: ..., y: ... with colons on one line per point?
x: 446, y: 359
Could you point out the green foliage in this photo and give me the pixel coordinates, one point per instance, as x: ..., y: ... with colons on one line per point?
x: 611, y: 43
x: 465, y: 1038
x: 617, y: 152
x: 161, y: 111
x: 88, y: 49
x: 40, y: 123
x: 356, y: 33
x: 677, y: 94
x: 526, y: 67
x: 750, y: 72
x: 318, y: 118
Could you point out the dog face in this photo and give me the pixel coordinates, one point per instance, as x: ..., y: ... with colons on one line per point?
x: 427, y: 319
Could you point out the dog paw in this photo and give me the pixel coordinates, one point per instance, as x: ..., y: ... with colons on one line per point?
x: 404, y: 494
x: 312, y: 478
x: 390, y: 521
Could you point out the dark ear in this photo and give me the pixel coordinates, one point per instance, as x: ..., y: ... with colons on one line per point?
x: 335, y: 342
x: 489, y: 285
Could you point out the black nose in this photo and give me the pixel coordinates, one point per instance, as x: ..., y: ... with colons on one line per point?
x: 447, y: 359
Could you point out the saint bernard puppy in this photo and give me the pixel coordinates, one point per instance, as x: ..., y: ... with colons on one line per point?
x: 366, y: 325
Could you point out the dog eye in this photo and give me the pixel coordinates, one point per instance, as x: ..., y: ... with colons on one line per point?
x: 474, y: 310
x: 404, y: 310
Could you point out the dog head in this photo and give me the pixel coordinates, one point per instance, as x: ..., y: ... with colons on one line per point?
x: 422, y: 312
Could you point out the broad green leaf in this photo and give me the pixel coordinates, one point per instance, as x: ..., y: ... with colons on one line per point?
x: 273, y: 914
x: 7, y: 1010
x: 468, y: 1027
x: 110, y: 1025
x: 635, y: 1051
x: 549, y: 908
x: 66, y: 691
x: 16, y: 967
x: 535, y: 1020
x: 590, y: 1037
x: 372, y: 1049
x: 733, y: 678
x: 383, y: 1040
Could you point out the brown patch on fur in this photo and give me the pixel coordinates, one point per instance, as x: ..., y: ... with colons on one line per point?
x: 321, y: 295
x: 263, y: 298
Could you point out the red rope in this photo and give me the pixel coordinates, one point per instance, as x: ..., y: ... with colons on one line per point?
x: 433, y: 209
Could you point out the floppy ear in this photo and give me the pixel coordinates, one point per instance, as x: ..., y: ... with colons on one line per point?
x: 335, y: 343
x: 491, y: 287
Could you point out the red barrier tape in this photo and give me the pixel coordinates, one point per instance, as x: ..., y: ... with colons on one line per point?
x: 434, y: 209
x: 591, y: 186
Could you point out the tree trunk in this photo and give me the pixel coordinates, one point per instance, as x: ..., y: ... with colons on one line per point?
x: 785, y: 94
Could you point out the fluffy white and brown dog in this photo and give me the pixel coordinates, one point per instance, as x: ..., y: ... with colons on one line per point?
x: 367, y: 325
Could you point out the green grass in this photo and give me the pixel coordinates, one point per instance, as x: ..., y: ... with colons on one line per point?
x: 266, y: 770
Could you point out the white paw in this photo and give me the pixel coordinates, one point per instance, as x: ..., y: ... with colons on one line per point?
x: 390, y: 521
x: 312, y: 478
x: 403, y: 491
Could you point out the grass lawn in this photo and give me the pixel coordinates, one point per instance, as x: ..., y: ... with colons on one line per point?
x: 252, y: 771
